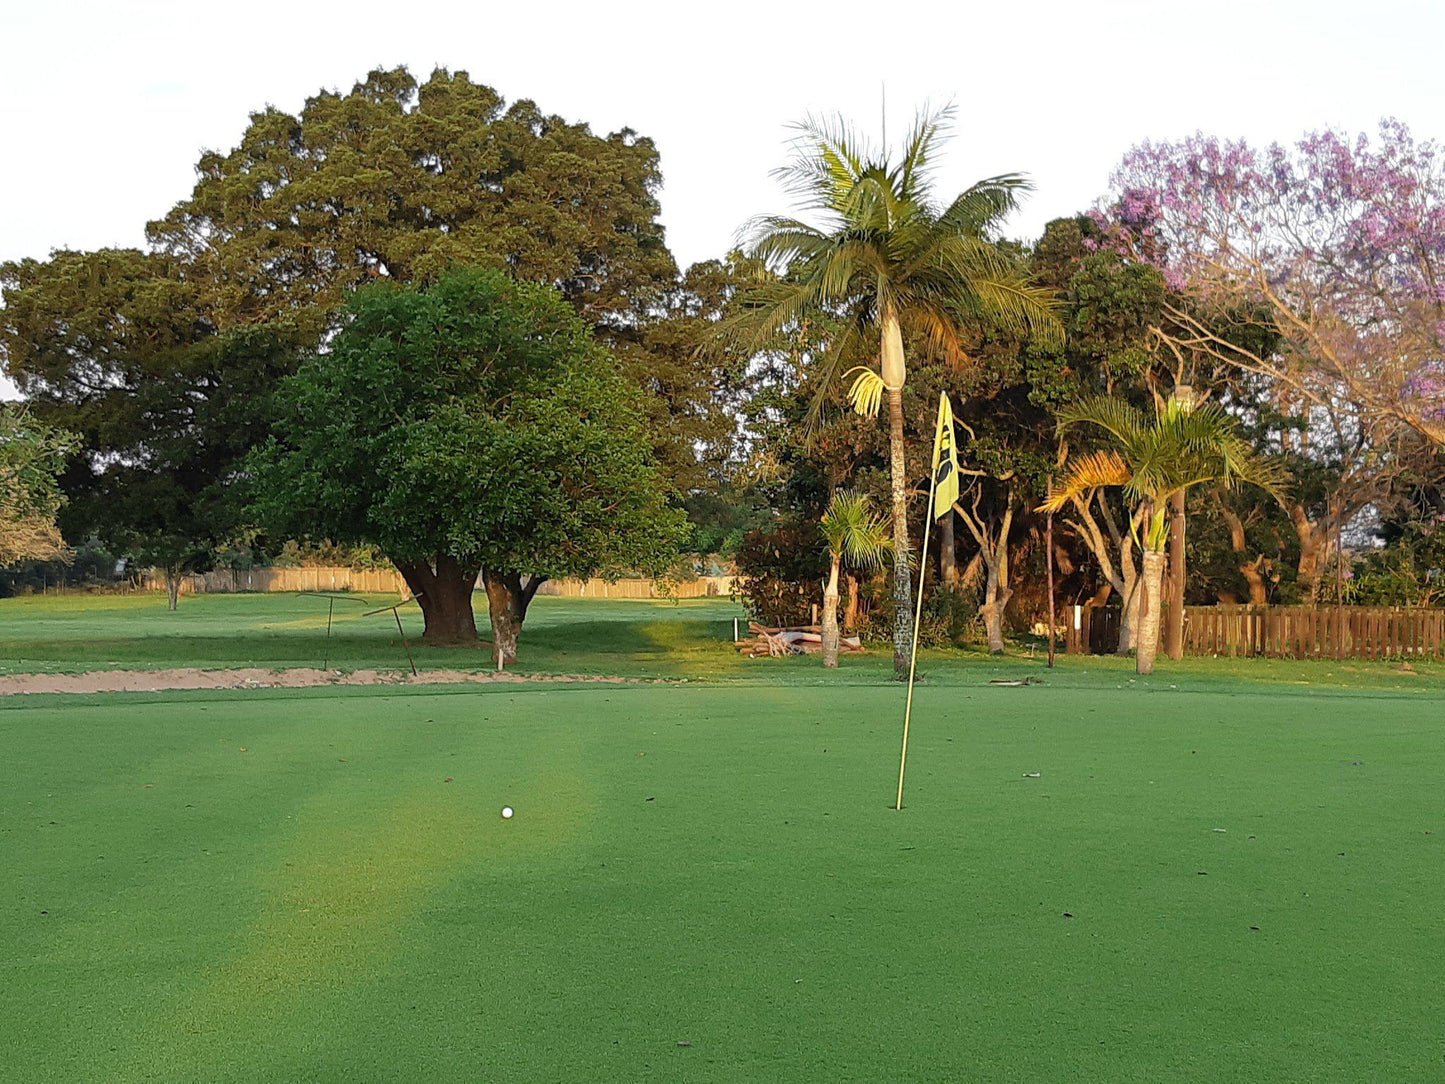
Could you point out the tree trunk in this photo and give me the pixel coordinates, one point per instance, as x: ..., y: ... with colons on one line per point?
x: 1174, y: 633
x: 1310, y: 569
x: 850, y: 615
x: 902, y: 578
x: 1130, y: 604
x: 830, y: 618
x: 443, y: 590
x: 173, y: 588
x: 947, y: 552
x: 996, y: 597
x: 993, y: 549
x: 992, y: 610
x: 1149, y: 611
x: 1252, y: 571
x: 508, y: 596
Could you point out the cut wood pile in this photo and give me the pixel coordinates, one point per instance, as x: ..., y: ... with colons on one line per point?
x: 795, y: 640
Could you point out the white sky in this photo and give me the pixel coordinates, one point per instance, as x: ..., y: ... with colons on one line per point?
x: 110, y: 104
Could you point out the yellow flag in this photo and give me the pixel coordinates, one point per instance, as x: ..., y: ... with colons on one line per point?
x: 945, y: 459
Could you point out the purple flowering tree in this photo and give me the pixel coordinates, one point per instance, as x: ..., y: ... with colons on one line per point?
x: 1334, y: 249
x: 1338, y: 244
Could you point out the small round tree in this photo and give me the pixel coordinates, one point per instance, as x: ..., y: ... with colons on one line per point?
x: 856, y: 535
x: 472, y: 426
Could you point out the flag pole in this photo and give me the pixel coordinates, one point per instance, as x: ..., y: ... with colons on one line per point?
x: 917, y: 617
x: 1049, y: 545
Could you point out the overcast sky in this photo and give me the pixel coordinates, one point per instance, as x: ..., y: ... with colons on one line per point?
x: 110, y: 104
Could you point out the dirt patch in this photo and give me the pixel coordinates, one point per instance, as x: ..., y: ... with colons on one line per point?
x: 149, y: 681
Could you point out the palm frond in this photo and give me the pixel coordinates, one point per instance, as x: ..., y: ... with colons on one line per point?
x: 1015, y: 306
x: 828, y: 158
x: 1117, y: 417
x: 979, y: 209
x: 1087, y: 473
x: 855, y: 533
x: 824, y: 373
x: 939, y: 327
x: 929, y: 128
x: 866, y: 393
x: 762, y: 312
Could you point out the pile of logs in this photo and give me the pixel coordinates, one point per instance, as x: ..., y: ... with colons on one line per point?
x: 795, y: 640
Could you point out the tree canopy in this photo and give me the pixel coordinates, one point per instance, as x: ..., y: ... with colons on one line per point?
x: 473, y: 425
x: 401, y: 180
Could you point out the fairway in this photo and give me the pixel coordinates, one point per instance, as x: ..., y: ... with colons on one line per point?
x: 704, y: 882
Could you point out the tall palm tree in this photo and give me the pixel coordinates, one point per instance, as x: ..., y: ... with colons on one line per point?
x: 875, y: 250
x: 856, y: 535
x: 1152, y: 459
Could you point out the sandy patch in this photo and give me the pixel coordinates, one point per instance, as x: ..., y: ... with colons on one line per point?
x: 149, y: 681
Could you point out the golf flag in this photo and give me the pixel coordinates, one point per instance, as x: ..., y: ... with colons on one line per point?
x: 945, y: 459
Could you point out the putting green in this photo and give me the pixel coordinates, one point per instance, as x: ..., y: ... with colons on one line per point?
x: 317, y: 885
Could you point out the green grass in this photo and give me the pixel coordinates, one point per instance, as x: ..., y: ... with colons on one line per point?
x: 98, y: 632
x: 687, y: 639
x: 283, y: 885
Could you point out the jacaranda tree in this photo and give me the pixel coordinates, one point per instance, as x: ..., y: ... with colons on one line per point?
x: 1337, y: 244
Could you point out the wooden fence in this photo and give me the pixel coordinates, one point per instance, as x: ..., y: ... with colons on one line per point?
x: 1295, y: 632
x: 388, y: 582
x: 701, y: 587
x: 376, y: 581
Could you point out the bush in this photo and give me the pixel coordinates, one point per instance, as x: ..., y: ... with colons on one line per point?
x: 1410, y: 571
x: 781, y: 574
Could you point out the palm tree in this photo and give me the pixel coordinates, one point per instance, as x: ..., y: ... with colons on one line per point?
x: 854, y: 534
x: 890, y: 264
x: 1152, y: 460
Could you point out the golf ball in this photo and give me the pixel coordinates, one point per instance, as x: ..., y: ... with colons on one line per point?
x: 507, y: 812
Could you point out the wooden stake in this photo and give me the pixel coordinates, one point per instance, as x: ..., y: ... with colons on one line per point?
x: 330, y: 608
x: 913, y: 654
x: 396, y: 613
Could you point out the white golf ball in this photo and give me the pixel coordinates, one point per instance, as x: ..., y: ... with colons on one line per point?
x: 507, y: 812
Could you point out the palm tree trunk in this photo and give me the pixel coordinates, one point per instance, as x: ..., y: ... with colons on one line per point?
x: 1183, y: 397
x: 1149, y: 617
x: 1174, y: 634
x: 830, y: 618
x: 1130, y: 596
x: 1129, y: 614
x: 902, y: 579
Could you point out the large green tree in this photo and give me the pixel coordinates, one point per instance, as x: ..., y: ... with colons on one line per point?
x: 877, y: 250
x: 118, y: 347
x: 471, y: 426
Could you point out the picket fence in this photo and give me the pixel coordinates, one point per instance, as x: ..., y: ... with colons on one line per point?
x: 1295, y: 632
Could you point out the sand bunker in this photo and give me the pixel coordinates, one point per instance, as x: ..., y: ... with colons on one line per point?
x: 149, y: 681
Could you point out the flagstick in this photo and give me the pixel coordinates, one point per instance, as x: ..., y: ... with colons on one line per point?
x: 1049, y: 545
x: 917, y: 617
